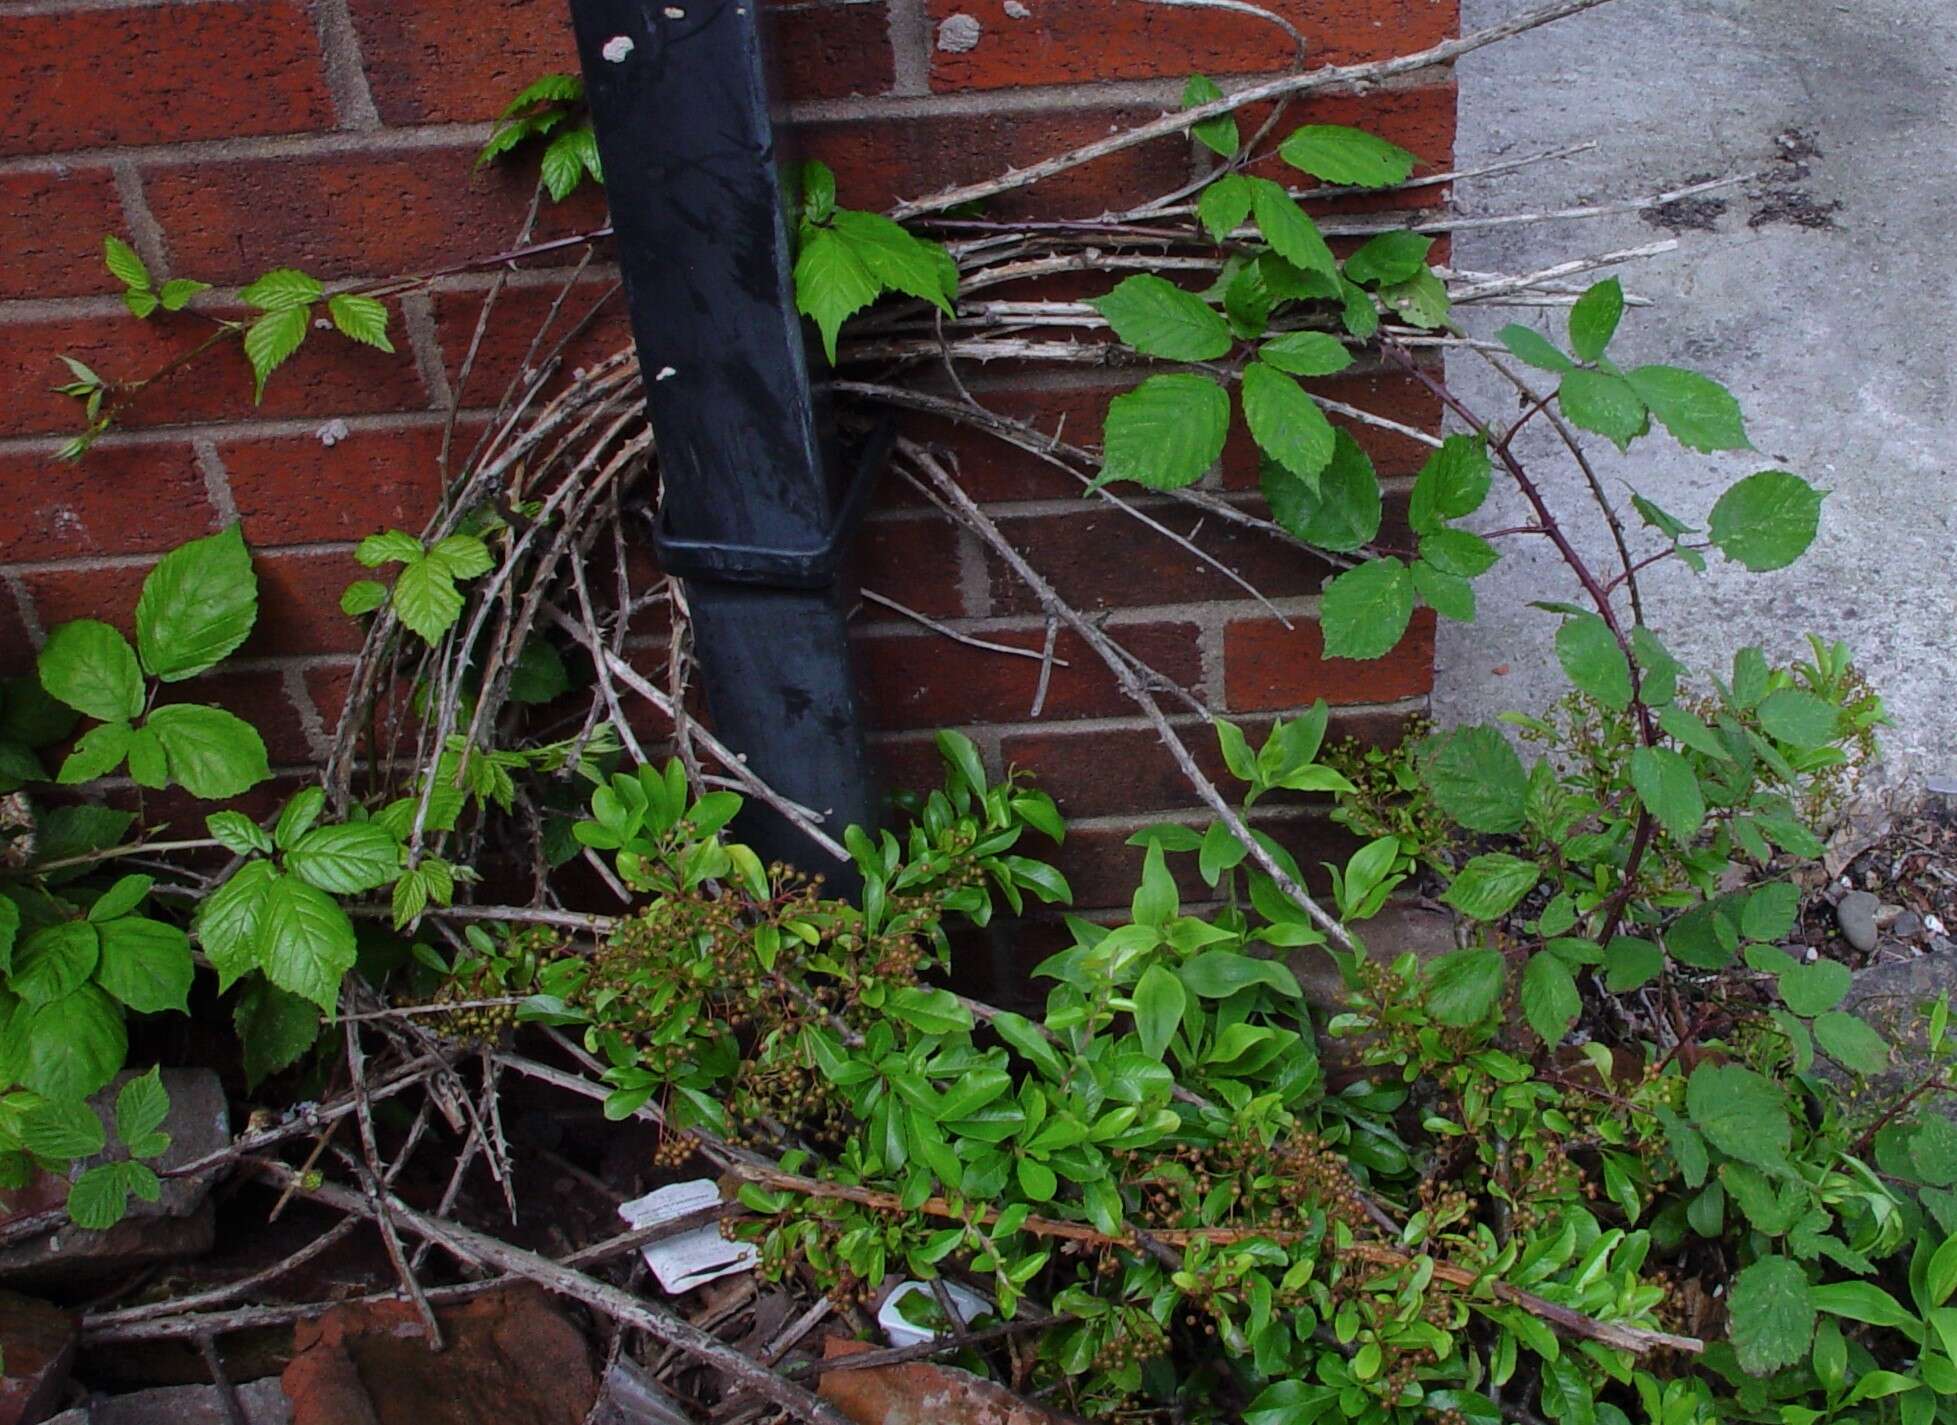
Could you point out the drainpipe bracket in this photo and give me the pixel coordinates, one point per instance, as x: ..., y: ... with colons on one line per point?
x: 813, y: 567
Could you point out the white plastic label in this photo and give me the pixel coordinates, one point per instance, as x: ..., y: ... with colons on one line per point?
x: 685, y: 1261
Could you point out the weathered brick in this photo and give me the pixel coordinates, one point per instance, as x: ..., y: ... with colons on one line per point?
x: 1100, y: 557
x: 120, y: 498
x: 378, y: 212
x: 1081, y: 41
x: 294, y: 489
x: 833, y: 49
x: 1267, y: 666
x: 992, y: 469
x: 126, y: 75
x: 56, y: 220
x: 329, y: 376
x: 591, y: 325
x: 877, y: 161
x: 915, y: 562
x: 67, y: 591
x: 299, y: 605
x: 926, y: 680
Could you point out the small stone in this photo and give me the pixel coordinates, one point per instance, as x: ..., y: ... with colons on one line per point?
x: 261, y: 1401
x: 1017, y: 11
x: 618, y: 48
x: 1856, y: 916
x: 1906, y: 926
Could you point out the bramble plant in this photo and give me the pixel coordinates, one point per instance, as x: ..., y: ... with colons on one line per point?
x: 1594, y: 1165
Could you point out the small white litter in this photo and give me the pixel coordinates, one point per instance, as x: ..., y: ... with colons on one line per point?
x: 890, y: 1315
x: 687, y: 1260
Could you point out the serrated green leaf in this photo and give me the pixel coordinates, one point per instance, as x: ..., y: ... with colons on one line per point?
x: 1167, y: 432
x: 1448, y: 595
x: 54, y: 961
x: 1476, y: 777
x: 1389, y: 258
x: 1348, y: 156
x: 1597, y: 401
x: 347, y: 859
x: 141, y: 303
x: 1590, y: 655
x: 1218, y: 135
x: 1630, y: 963
x: 272, y: 339
x: 1770, y: 911
x: 197, y: 606
x: 1158, y: 318
x: 1457, y: 552
x: 1550, y: 1001
x: 360, y: 318
x: 1286, y: 423
x: 282, y: 289
x: 1740, y: 1112
x: 1306, y: 354
x: 274, y: 1027
x: 1224, y: 206
x: 213, y: 753
x: 1342, y: 513
x: 1771, y: 1315
x: 1421, y: 299
x: 1452, y: 483
x: 391, y: 547
x: 1766, y: 521
x: 175, y: 294
x: 1491, y: 885
x: 464, y: 556
x: 426, y: 600
x: 1366, y: 609
x: 1464, y: 986
x: 308, y: 941
x: 62, y: 1130
x: 98, y: 1198
x: 1669, y: 790
x: 1534, y: 349
x: 146, y: 964
x: 1594, y: 318
x: 141, y: 1106
x: 1700, y: 413
x: 362, y: 596
x: 562, y: 166
x: 237, y: 832
x: 119, y: 899
x: 1798, y: 717
x: 1812, y: 989
x: 895, y: 258
x: 91, y: 667
x: 98, y: 752
x: 75, y: 1044
x: 1293, y: 235
x: 1851, y: 1043
x: 124, y: 265
x: 831, y: 283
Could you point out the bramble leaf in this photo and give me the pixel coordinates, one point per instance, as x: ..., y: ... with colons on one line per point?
x: 1366, y: 609
x: 91, y: 667
x: 1167, y: 432
x: 197, y: 606
x: 1767, y: 521
x: 1158, y: 318
x: 1337, y: 154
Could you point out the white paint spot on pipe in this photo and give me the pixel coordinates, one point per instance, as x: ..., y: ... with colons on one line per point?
x: 958, y: 34
x: 664, y: 372
x: 1017, y: 11
x: 617, y: 48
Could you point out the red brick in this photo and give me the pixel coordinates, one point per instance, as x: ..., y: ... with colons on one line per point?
x: 294, y: 489
x: 260, y: 698
x: 453, y: 61
x: 56, y: 222
x: 1267, y: 666
x: 926, y: 680
x: 69, y: 592
x: 1101, y: 557
x: 329, y: 376
x: 299, y: 605
x: 833, y: 49
x: 1393, y: 397
x: 878, y: 161
x: 915, y: 562
x: 1081, y: 41
x: 159, y: 74
x: 378, y: 213
x: 117, y: 499
x: 1126, y: 771
x: 516, y: 322
x: 909, y: 764
x: 175, y: 810
x: 992, y: 469
x: 1421, y: 119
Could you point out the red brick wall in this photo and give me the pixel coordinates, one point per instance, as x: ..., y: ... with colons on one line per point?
x: 227, y: 136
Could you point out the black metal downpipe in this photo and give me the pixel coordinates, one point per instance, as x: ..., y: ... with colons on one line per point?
x: 750, y: 518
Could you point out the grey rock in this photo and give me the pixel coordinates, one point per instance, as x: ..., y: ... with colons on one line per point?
x: 1907, y: 926
x: 180, y: 1223
x: 1894, y: 998
x: 1856, y: 916
x: 628, y: 1396
x: 262, y: 1401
